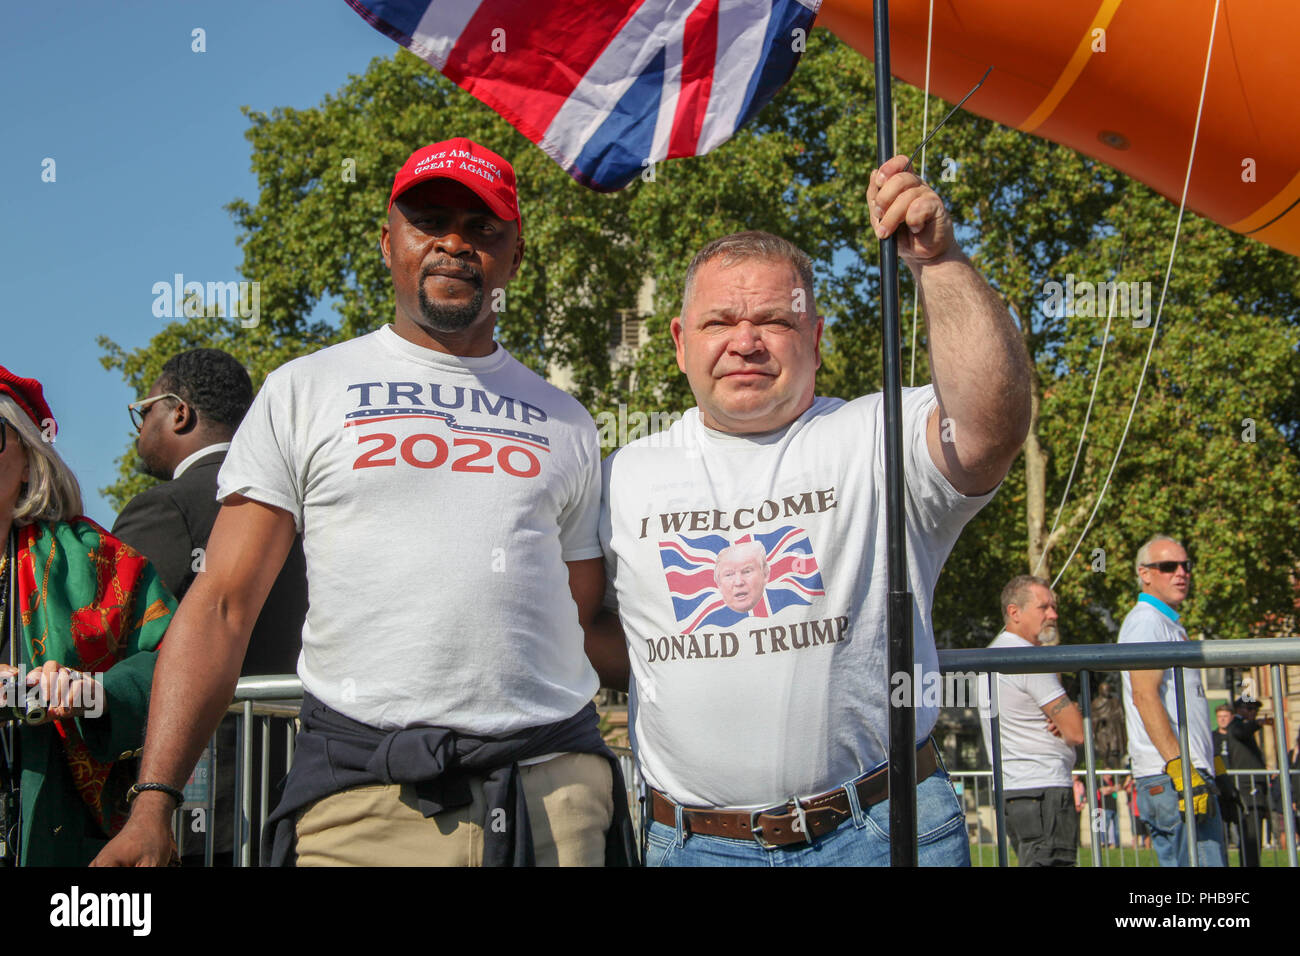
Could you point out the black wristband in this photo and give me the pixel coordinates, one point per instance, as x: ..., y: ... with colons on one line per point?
x: 139, y: 788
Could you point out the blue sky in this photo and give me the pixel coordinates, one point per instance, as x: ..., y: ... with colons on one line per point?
x: 148, y: 147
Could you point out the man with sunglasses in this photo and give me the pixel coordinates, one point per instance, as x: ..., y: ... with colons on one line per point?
x: 184, y: 427
x: 1243, y: 753
x: 1164, y: 574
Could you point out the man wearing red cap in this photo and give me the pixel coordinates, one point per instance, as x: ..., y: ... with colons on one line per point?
x: 448, y: 500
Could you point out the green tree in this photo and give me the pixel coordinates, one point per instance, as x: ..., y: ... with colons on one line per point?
x: 1029, y: 212
x: 312, y: 237
x: 1226, y: 348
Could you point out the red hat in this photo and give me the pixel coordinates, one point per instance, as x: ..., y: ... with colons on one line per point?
x: 489, y: 176
x: 29, y: 395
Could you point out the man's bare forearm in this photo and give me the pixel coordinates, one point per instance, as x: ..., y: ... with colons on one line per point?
x: 978, y: 360
x: 1156, y: 722
x: 198, y: 666
x: 1065, y: 715
x: 193, y: 683
x: 607, y: 650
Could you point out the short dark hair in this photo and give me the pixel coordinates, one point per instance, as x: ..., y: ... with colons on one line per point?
x: 1018, y: 591
x: 746, y: 246
x: 212, y: 382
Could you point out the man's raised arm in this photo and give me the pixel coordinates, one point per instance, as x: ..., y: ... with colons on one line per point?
x: 198, y: 667
x: 977, y: 356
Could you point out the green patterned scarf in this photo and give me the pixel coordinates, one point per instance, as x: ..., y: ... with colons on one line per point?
x: 87, y: 601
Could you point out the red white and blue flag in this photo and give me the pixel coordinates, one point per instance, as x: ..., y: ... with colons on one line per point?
x: 793, y: 576
x: 608, y: 87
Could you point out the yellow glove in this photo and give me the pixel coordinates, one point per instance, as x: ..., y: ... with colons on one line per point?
x: 1200, y: 789
x: 1220, y: 768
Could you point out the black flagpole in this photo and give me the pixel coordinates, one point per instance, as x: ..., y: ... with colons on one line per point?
x: 902, y: 719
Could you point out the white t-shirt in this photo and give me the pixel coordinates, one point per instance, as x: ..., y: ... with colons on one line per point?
x: 1144, y: 624
x: 1032, y: 757
x: 439, y: 498
x: 747, y: 694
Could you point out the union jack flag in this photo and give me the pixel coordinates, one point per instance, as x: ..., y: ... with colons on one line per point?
x: 689, y: 563
x: 607, y: 88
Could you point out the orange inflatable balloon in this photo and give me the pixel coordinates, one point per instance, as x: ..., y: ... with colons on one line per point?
x: 1119, y: 80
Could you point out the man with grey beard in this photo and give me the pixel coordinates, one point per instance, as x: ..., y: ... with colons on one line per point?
x: 1039, y: 727
x: 448, y: 498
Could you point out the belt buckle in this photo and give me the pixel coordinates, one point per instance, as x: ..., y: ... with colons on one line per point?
x: 756, y: 831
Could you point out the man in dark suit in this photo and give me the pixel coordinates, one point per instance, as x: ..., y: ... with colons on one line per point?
x: 1229, y: 799
x: 1244, y: 754
x: 185, y: 424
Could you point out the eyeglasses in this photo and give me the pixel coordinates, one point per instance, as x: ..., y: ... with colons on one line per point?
x: 4, y: 431
x: 138, y: 410
x: 1169, y: 567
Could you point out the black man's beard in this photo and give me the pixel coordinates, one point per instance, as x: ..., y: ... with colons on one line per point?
x: 451, y: 317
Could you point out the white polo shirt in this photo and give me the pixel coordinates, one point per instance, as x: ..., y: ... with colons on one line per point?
x: 1154, y: 620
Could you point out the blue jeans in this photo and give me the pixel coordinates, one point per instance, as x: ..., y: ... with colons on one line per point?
x: 1165, y: 822
x: 860, y: 841
x: 1112, y: 827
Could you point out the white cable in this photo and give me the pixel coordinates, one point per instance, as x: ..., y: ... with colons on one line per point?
x: 1173, y: 249
x: 925, y: 130
x: 1105, y: 336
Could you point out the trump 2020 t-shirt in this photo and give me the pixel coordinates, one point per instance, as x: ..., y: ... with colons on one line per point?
x: 750, y: 576
x: 439, y: 498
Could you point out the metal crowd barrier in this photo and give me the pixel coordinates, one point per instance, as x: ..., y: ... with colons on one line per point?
x: 258, y: 700
x: 262, y: 698
x: 635, y: 792
x: 1089, y: 658
x: 1122, y: 845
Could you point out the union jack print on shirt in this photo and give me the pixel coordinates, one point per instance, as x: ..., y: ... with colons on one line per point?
x: 607, y: 88
x: 689, y: 563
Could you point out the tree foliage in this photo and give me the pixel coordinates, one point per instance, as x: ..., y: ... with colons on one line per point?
x: 1029, y: 212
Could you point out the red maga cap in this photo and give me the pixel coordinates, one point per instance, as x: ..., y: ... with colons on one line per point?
x: 489, y: 176
x: 29, y: 395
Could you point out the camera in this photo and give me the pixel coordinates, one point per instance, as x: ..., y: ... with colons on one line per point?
x: 13, y: 703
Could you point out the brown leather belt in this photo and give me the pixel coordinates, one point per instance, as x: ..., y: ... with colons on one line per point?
x: 790, y: 822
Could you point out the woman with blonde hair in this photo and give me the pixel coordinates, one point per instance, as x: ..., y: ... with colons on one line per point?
x: 81, y: 617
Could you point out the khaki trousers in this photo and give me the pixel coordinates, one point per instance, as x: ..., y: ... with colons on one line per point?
x: 570, y: 808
